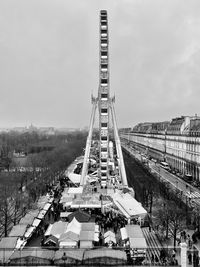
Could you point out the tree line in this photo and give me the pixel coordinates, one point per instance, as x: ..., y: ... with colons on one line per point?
x: 19, y: 191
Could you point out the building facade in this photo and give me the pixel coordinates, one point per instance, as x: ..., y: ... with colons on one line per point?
x: 176, y: 142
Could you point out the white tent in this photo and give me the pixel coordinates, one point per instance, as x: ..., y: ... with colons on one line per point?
x: 75, y: 178
x: 41, y: 214
x: 68, y: 244
x: 75, y: 190
x: 96, y: 237
x: 129, y: 206
x: 124, y: 234
x: 138, y: 243
x: 69, y: 236
x: 109, y: 233
x: 47, y: 206
x: 109, y: 236
x: 110, y: 239
x: 29, y: 231
x: 56, y: 229
x: 36, y: 222
x: 74, y: 226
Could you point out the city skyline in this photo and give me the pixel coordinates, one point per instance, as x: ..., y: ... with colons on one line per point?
x: 45, y: 45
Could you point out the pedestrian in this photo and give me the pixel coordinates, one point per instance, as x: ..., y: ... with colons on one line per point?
x: 149, y: 228
x: 173, y: 254
x: 152, y: 258
x: 190, y: 258
x: 156, y: 259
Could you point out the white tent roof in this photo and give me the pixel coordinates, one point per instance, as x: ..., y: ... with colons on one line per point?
x: 128, y: 205
x: 68, y: 243
x: 74, y: 226
x: 138, y: 243
x: 96, y: 237
x: 36, y: 222
x: 109, y: 233
x: 20, y: 243
x: 18, y: 230
x: 29, y: 231
x: 97, y: 228
x: 41, y: 214
x: 69, y: 236
x: 124, y: 234
x: 74, y: 177
x: 56, y: 229
x: 134, y: 231
x: 47, y: 206
x: 75, y: 190
x: 110, y: 238
x: 48, y: 231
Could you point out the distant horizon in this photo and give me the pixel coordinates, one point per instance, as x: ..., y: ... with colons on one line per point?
x: 87, y: 126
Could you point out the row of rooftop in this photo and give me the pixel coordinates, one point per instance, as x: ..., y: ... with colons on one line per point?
x: 184, y: 125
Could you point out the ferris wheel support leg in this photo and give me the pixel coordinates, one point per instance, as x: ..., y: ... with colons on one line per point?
x: 88, y: 143
x: 118, y: 146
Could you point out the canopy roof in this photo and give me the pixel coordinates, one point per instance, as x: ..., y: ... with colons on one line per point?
x: 80, y: 216
x: 69, y: 236
x: 36, y: 222
x: 41, y: 214
x: 5, y: 255
x: 8, y: 242
x: 109, y: 233
x: 75, y: 190
x: 36, y: 253
x: 57, y: 229
x: 76, y: 254
x: 134, y: 231
x: 138, y: 243
x: 74, y: 226
x: 105, y: 253
x: 128, y: 205
x: 18, y: 230
x: 29, y: 231
x: 29, y: 217
x: 51, y: 239
x: 90, y: 226
x: 75, y: 178
x: 68, y: 243
x: 87, y: 236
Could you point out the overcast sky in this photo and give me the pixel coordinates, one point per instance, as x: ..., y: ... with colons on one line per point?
x: 49, y: 60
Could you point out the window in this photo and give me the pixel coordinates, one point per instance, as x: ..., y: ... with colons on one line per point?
x: 104, y: 80
x: 104, y: 110
x: 103, y: 16
x: 104, y: 66
x: 104, y: 95
x: 104, y: 138
x: 104, y: 149
x: 104, y: 53
x: 103, y: 160
x: 103, y: 168
x: 104, y: 124
x: 104, y: 41
x: 103, y: 31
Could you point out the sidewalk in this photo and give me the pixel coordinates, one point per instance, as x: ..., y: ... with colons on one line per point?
x: 169, y: 243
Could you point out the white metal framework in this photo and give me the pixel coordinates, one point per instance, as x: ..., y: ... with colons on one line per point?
x: 105, y: 105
